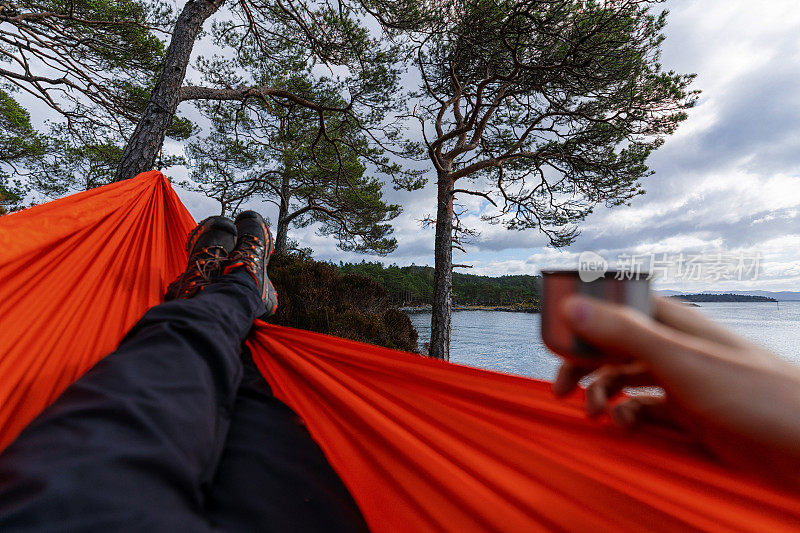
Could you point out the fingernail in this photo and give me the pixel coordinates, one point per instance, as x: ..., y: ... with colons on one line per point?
x: 578, y: 311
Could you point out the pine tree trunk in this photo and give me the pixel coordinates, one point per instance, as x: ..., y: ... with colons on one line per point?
x: 282, y: 238
x: 442, y: 305
x: 145, y: 143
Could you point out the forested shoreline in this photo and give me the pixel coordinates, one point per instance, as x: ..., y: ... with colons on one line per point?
x: 413, y: 285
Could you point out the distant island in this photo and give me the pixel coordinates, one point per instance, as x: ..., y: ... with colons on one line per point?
x: 725, y: 297
x: 781, y: 296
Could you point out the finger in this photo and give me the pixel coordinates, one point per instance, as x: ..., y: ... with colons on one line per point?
x: 683, y: 318
x: 611, y: 380
x: 683, y: 364
x: 642, y: 410
x: 622, y: 332
x: 569, y: 374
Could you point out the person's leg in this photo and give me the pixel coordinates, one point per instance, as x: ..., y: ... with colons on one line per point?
x: 273, y: 476
x: 131, y: 444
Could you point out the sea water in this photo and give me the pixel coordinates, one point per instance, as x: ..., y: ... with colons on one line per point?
x: 511, y: 342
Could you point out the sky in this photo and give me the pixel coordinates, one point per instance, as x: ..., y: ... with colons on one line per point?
x: 721, y: 212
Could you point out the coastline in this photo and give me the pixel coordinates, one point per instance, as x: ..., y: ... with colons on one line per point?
x: 426, y: 308
x: 507, y: 308
x: 414, y: 309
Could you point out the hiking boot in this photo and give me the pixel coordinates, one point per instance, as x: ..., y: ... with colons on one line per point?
x: 253, y: 249
x: 208, y: 247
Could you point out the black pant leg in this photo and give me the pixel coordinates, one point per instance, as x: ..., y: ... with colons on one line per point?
x: 273, y: 476
x: 129, y: 446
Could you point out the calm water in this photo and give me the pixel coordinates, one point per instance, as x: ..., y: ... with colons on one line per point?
x: 510, y: 342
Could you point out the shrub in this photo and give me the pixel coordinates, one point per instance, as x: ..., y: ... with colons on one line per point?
x: 314, y: 296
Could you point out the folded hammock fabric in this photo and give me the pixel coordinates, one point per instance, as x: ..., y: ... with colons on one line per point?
x: 422, y: 445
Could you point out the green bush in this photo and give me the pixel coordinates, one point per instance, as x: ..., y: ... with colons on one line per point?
x: 316, y: 297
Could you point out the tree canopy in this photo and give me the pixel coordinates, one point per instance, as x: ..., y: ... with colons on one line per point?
x: 20, y: 146
x: 93, y: 65
x: 93, y: 62
x: 277, y: 154
x: 316, y: 168
x: 548, y: 107
x: 332, y: 36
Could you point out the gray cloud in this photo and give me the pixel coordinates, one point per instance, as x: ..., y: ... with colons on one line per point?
x: 758, y: 123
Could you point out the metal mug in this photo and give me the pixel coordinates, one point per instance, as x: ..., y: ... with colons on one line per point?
x: 632, y: 289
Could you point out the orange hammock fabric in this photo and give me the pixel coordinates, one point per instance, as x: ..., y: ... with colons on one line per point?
x: 422, y: 445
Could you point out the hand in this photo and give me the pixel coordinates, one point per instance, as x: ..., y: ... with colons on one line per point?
x: 738, y: 399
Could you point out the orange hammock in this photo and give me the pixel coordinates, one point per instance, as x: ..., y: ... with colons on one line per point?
x: 422, y: 445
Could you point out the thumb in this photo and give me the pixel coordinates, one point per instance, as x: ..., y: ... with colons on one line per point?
x: 620, y: 331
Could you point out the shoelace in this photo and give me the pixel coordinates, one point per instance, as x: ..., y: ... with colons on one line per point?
x: 246, y: 254
x: 246, y: 242
x: 207, y: 263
